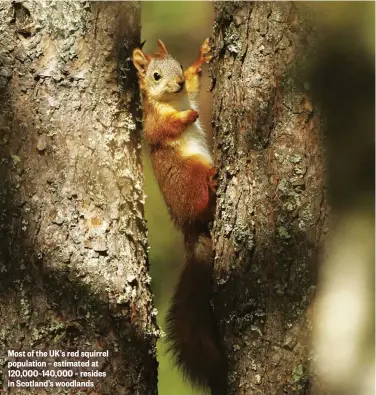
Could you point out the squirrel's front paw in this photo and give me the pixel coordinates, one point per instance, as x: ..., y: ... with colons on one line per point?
x: 204, y: 56
x: 189, y: 116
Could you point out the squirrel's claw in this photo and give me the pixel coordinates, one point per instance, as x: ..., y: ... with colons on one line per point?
x: 205, y: 50
x: 204, y: 56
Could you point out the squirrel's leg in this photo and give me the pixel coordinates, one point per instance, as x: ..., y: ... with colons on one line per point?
x: 169, y: 125
x: 178, y: 121
x: 194, y: 71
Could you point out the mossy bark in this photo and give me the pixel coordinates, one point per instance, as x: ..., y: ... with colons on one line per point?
x: 271, y: 212
x: 73, y: 253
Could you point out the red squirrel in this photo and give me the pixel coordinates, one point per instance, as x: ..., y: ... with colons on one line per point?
x: 183, y: 167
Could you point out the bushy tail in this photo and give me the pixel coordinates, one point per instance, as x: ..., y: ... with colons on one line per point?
x: 191, y: 330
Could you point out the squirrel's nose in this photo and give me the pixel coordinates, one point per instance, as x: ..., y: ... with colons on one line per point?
x: 181, y: 84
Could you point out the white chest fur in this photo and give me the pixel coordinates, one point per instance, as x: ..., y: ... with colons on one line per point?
x: 193, y: 141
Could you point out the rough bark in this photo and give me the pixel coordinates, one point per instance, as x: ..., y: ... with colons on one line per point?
x: 73, y: 253
x: 271, y: 211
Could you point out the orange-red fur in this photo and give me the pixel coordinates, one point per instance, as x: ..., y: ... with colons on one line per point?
x: 188, y: 187
x: 162, y: 127
x: 185, y: 185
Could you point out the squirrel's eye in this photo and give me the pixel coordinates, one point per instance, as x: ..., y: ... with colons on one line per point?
x: 157, y: 76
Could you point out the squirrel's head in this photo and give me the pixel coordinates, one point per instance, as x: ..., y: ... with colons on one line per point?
x: 161, y: 76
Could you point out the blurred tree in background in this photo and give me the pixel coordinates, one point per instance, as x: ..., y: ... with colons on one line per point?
x: 343, y: 83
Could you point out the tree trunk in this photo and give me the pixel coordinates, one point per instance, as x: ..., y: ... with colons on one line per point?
x: 271, y: 210
x: 73, y: 255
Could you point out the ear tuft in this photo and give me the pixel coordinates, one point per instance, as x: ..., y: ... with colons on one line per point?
x: 162, y: 48
x: 140, y: 60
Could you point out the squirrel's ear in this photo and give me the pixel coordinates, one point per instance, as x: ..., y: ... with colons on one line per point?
x: 140, y: 60
x: 162, y: 48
